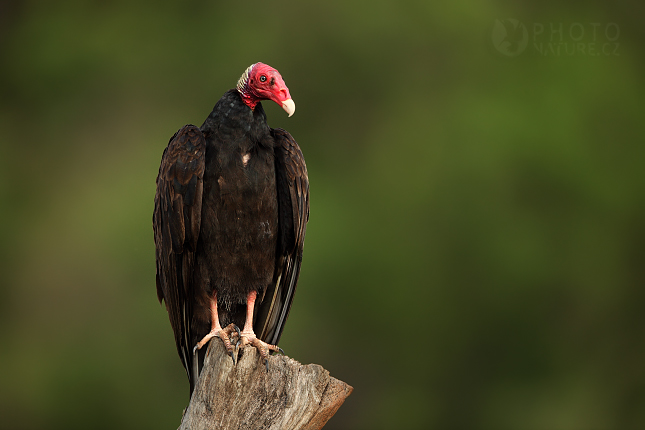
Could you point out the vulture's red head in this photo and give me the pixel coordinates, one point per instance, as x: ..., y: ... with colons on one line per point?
x: 262, y: 82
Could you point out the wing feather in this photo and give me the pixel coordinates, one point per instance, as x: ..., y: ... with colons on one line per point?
x: 176, y: 225
x: 293, y: 212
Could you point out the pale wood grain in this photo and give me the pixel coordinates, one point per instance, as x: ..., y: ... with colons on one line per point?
x: 290, y: 396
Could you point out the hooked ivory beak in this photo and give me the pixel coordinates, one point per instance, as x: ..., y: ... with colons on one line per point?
x: 289, y: 106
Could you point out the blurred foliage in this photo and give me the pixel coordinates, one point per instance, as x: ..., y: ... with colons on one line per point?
x: 475, y: 254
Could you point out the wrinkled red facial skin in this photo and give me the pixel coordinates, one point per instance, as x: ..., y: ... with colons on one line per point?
x: 272, y: 87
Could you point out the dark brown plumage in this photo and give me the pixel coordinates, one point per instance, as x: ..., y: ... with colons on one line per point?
x: 229, y: 221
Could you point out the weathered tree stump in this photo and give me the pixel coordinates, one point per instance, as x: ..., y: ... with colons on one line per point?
x: 289, y: 396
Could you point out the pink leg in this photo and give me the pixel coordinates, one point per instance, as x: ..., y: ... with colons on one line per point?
x: 250, y: 306
x: 248, y: 335
x: 217, y: 331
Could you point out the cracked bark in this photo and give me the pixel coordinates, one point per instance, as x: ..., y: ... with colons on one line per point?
x: 289, y: 396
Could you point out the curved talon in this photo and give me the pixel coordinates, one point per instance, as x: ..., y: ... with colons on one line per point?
x: 232, y: 356
x: 239, y: 336
x: 266, y: 363
x: 280, y: 350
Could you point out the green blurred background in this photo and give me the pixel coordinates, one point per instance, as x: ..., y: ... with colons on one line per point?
x: 475, y: 253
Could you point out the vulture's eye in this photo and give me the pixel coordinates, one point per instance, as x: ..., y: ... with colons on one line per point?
x: 263, y: 78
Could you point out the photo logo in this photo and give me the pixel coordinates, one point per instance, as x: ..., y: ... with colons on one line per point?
x: 510, y: 37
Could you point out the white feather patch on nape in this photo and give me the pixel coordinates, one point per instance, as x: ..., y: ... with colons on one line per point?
x: 244, y: 78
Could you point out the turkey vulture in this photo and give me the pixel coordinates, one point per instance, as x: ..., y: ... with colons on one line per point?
x: 229, y: 221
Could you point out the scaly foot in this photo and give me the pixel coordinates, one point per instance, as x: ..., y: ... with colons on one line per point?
x: 249, y: 338
x: 224, y: 334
